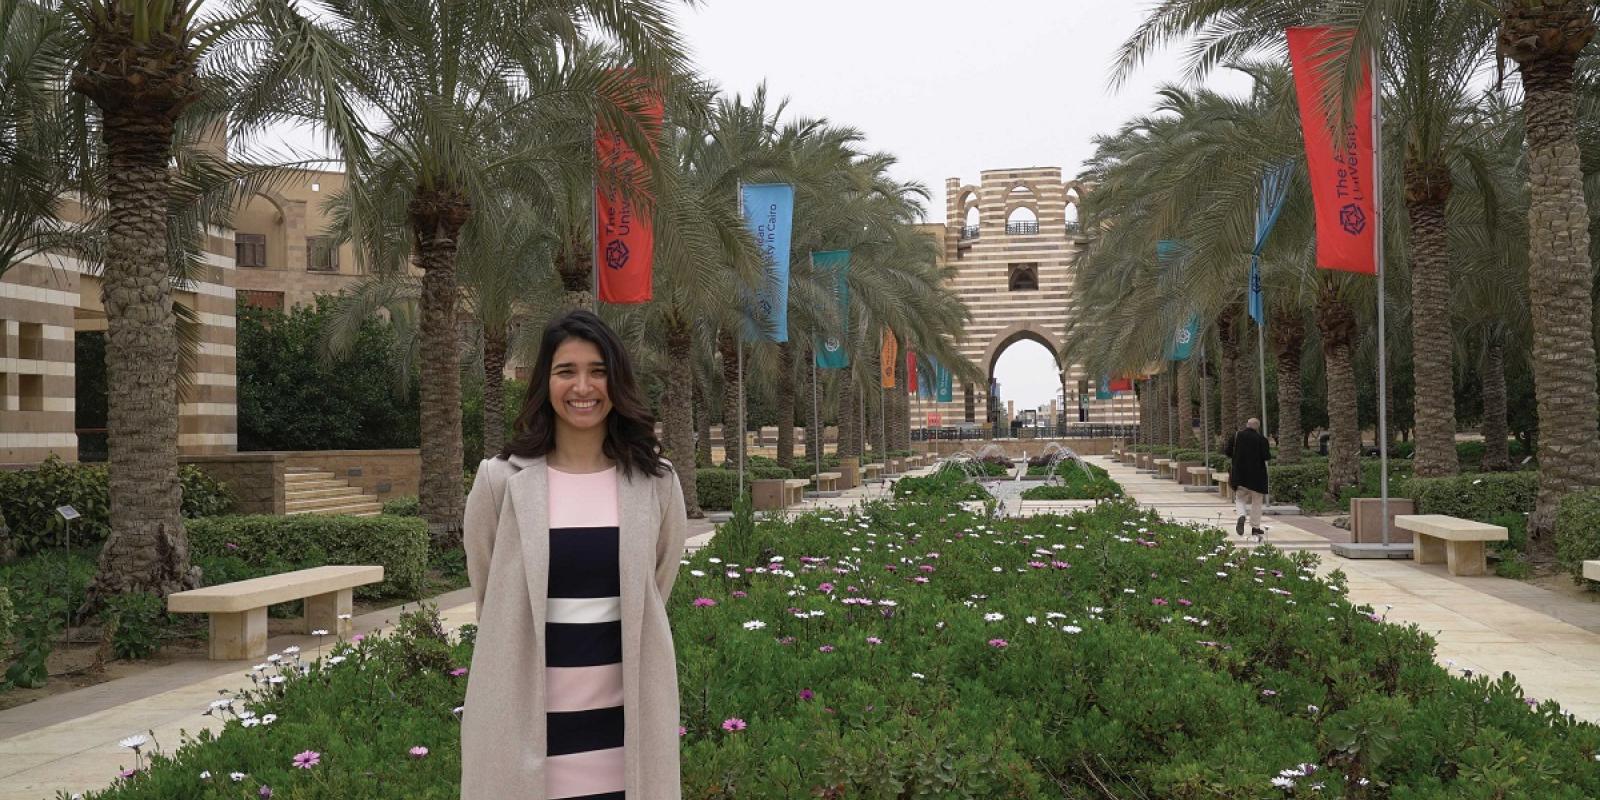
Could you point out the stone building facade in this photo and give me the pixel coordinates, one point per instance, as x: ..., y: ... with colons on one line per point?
x: 1011, y: 238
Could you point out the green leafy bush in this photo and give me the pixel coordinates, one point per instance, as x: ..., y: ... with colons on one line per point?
x: 1079, y: 481
x: 948, y: 484
x: 136, y: 623
x: 1578, y: 530
x: 1476, y: 496
x: 247, y: 546
x: 1303, y: 484
x: 42, y: 588
x: 292, y: 398
x: 957, y: 661
x: 715, y: 488
x: 8, y: 624
x: 29, y: 498
x: 407, y: 506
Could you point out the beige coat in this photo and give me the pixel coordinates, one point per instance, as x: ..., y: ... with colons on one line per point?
x: 506, y: 536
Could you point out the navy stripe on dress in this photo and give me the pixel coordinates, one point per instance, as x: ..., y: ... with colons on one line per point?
x: 606, y: 796
x: 583, y: 563
x: 581, y: 731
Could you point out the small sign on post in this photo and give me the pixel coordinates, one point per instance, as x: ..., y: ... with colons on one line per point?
x: 68, y: 514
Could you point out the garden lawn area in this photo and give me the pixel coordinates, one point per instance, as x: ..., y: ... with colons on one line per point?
x: 914, y: 650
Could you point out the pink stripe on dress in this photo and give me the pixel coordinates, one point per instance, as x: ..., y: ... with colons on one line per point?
x: 582, y: 774
x: 582, y: 688
x: 586, y: 500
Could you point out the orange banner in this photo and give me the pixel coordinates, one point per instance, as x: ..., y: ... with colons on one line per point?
x: 891, y: 351
x: 624, y: 236
x: 1342, y: 166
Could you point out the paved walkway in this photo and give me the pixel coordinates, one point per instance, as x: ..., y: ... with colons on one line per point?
x: 1552, y: 644
x: 1489, y: 625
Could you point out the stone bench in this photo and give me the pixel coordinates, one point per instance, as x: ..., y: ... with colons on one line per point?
x: 1163, y: 467
x: 773, y: 494
x: 873, y: 471
x: 239, y: 610
x: 1591, y: 570
x: 1457, y: 543
x: 828, y: 481
x: 1198, y: 476
x: 1223, y: 485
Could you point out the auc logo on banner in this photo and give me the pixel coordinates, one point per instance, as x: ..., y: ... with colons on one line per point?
x: 1185, y: 336
x: 832, y: 344
x: 617, y: 254
x: 1352, y: 219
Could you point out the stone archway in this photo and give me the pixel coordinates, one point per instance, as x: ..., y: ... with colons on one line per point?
x: 1021, y: 331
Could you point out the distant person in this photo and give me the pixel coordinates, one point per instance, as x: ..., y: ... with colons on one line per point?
x: 1250, y: 452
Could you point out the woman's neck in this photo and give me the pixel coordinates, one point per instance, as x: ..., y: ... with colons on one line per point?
x: 579, y: 450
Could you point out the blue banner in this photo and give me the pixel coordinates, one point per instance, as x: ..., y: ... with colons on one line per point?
x: 831, y: 351
x: 1168, y: 250
x: 1102, y: 390
x: 925, y: 382
x: 769, y: 212
x: 1269, y: 205
x: 947, y: 387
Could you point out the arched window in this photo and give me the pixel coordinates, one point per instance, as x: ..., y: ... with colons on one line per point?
x: 1022, y: 222
x: 970, y: 222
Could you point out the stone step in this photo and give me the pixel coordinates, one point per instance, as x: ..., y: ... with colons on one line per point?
x: 339, y: 489
x: 293, y: 486
x: 350, y: 497
x: 293, y: 477
x: 368, y: 509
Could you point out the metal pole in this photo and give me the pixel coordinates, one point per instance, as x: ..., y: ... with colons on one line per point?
x: 1261, y: 352
x: 739, y: 345
x: 816, y: 416
x: 1205, y: 409
x: 1383, y: 352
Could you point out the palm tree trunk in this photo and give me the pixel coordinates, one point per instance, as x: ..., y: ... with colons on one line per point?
x: 147, y: 549
x: 1337, y: 323
x: 1288, y: 338
x: 847, y: 414
x: 1545, y: 40
x: 494, y: 392
x: 575, y: 267
x: 1496, y: 453
x: 872, y: 434
x: 727, y: 347
x: 437, y: 217
x: 1433, y: 348
x: 1185, y: 408
x: 786, y: 403
x: 1246, y: 386
x: 1227, y: 374
x: 677, y: 404
x: 902, y: 401
x: 813, y: 408
x: 702, y: 417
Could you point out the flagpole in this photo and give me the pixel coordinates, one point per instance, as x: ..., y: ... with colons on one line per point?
x: 1383, y: 352
x: 816, y: 416
x: 738, y: 345
x: 594, y: 223
x: 1205, y: 410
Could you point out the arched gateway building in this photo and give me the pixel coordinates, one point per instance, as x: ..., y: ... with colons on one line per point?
x: 1011, y: 238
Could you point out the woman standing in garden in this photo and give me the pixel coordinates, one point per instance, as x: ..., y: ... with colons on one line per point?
x: 573, y: 537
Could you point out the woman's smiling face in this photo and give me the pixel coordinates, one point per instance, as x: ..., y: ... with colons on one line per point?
x: 578, y: 384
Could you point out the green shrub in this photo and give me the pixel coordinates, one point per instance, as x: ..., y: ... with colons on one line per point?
x: 1079, y: 481
x: 1303, y: 484
x: 946, y: 485
x: 1578, y: 531
x: 406, y: 506
x: 42, y: 587
x: 715, y: 488
x: 765, y: 472
x: 135, y: 622
x: 1476, y: 496
x: 805, y: 468
x: 29, y: 498
x: 268, y: 544
x: 8, y: 624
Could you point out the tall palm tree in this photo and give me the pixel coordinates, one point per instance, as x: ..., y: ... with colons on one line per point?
x: 421, y: 129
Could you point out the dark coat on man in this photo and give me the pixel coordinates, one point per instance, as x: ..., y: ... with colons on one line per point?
x: 1250, y: 452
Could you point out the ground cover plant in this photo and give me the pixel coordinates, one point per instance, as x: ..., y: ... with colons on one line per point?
x: 1077, y: 481
x: 947, y: 484
x: 915, y: 650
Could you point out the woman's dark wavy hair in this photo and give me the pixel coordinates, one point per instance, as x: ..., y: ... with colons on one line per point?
x: 630, y: 427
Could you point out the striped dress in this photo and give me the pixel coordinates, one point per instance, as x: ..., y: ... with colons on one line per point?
x: 583, y: 640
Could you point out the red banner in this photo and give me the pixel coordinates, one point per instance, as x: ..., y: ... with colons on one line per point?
x: 625, y: 239
x: 1120, y: 385
x: 911, y: 371
x: 891, y: 351
x: 1341, y: 166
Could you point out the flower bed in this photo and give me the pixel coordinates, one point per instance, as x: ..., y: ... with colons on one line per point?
x: 1079, y: 481
x: 948, y: 484
x: 917, y: 651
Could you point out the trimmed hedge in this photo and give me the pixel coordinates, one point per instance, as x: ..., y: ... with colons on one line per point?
x: 1578, y: 530
x: 1476, y: 496
x: 715, y: 488
x: 405, y: 506
x: 249, y: 546
x: 29, y: 497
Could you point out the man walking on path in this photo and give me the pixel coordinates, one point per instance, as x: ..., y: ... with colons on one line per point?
x: 1250, y: 452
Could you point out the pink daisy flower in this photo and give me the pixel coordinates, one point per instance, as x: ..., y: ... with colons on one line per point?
x: 733, y: 724
x: 998, y: 643
x: 307, y: 759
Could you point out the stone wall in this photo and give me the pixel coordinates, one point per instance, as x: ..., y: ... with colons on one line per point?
x: 256, y: 479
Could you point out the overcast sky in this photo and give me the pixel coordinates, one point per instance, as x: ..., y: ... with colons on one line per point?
x: 951, y: 87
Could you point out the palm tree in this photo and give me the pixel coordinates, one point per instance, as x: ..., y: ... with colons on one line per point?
x: 422, y: 133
